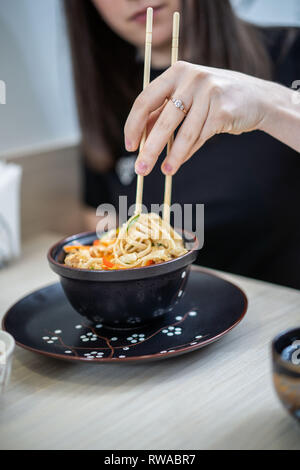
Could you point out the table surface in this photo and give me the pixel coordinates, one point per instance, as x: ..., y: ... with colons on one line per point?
x: 220, y: 397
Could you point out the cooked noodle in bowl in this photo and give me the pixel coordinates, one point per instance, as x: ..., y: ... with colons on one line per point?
x: 127, y: 277
x: 145, y: 239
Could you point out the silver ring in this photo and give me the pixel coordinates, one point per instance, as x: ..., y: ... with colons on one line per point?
x: 179, y: 104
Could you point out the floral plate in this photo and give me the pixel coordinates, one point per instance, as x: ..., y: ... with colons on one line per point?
x: 44, y: 322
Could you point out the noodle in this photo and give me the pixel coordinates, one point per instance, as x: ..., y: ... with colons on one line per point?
x: 143, y: 240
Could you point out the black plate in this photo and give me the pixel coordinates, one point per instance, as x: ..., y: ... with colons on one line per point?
x: 45, y: 322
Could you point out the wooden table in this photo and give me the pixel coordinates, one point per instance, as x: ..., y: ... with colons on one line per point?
x: 220, y: 397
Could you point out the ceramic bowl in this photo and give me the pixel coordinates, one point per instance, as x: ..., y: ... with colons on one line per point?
x: 286, y: 369
x: 122, y: 298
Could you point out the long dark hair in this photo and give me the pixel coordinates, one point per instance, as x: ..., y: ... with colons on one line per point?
x: 108, y: 77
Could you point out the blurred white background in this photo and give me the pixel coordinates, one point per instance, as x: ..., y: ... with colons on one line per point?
x: 34, y: 62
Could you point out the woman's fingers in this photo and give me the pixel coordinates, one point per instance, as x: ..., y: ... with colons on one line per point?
x: 166, y: 124
x: 153, y: 118
x: 208, y: 131
x: 151, y: 98
x: 221, y: 100
x: 187, y: 136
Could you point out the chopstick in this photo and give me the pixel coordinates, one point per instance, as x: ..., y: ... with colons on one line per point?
x: 147, y: 67
x: 168, y: 178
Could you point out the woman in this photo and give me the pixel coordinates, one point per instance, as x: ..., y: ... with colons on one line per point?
x: 249, y: 183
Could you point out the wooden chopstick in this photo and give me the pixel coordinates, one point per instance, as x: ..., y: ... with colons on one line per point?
x: 147, y: 69
x: 168, y: 178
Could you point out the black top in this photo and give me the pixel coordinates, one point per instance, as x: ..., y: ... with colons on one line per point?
x: 250, y: 185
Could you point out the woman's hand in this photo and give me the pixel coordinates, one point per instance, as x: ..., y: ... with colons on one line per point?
x: 216, y: 101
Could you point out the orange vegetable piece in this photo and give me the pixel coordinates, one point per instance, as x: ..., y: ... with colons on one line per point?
x: 103, y: 242
x: 69, y: 248
x: 149, y: 262
x: 107, y: 263
x: 107, y: 242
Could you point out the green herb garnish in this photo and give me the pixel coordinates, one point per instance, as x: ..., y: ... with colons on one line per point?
x: 132, y: 221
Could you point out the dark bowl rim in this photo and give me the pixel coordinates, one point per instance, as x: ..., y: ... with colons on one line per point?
x: 123, y: 274
x: 277, y: 357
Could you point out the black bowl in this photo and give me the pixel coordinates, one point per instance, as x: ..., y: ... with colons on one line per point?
x: 122, y: 298
x: 286, y: 370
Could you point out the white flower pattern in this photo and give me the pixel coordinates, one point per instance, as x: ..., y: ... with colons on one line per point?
x: 135, y: 338
x: 172, y: 330
x: 117, y: 350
